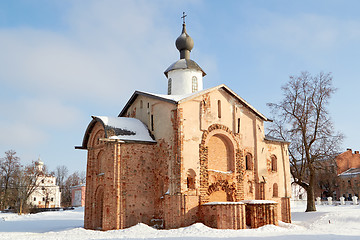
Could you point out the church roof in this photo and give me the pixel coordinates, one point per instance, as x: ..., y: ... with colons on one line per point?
x: 120, y: 128
x: 274, y: 139
x: 176, y: 99
x: 350, y: 172
x: 184, y: 64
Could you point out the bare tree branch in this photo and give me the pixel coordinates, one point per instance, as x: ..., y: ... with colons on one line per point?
x: 302, y: 118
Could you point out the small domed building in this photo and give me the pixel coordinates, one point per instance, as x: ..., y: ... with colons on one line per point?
x: 193, y: 155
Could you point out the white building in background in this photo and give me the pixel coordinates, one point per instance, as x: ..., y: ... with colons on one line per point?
x: 298, y: 193
x: 47, y: 194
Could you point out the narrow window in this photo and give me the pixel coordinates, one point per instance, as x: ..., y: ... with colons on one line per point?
x: 250, y: 186
x: 238, y: 125
x: 194, y: 84
x: 152, y: 122
x: 273, y: 163
x: 219, y: 109
x: 43, y: 199
x: 141, y: 104
x: 148, y: 105
x: 169, y: 86
x: 34, y: 199
x: 190, y: 180
x: 248, y: 162
x: 52, y: 199
x: 275, y: 190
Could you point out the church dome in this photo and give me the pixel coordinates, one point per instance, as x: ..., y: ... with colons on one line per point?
x: 184, y: 64
x: 184, y: 76
x: 184, y: 41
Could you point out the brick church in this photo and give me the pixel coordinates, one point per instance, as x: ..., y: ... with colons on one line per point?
x: 192, y: 155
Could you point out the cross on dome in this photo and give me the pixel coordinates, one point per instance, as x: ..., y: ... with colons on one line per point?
x: 184, y: 42
x: 183, y: 17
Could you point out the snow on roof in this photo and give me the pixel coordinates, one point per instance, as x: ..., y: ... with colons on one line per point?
x: 218, y: 171
x: 180, y: 98
x: 223, y: 203
x: 175, y: 98
x: 274, y: 139
x: 184, y: 64
x: 258, y: 201
x: 242, y: 202
x: 126, y: 129
x: 349, y: 172
x: 80, y: 185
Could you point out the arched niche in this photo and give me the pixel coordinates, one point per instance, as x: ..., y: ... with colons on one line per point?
x: 99, y: 207
x: 100, y: 162
x: 96, y: 135
x: 219, y: 140
x: 220, y: 153
x: 190, y: 179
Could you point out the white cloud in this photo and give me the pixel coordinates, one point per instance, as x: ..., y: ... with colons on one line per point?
x: 40, y: 112
x: 304, y: 34
x: 107, y: 51
x: 24, y: 135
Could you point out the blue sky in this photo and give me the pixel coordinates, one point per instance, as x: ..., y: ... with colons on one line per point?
x: 63, y: 61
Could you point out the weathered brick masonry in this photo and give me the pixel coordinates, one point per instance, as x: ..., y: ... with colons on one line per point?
x: 197, y: 156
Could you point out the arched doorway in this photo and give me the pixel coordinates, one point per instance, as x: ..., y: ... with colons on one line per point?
x: 99, y: 206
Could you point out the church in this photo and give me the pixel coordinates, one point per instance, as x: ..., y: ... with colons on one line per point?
x: 191, y: 155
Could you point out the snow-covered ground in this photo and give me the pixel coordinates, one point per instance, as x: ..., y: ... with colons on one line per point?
x: 329, y: 222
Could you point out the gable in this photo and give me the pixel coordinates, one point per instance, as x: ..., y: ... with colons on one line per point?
x: 119, y: 128
x: 176, y: 99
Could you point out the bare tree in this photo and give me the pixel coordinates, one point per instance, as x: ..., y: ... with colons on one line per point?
x: 9, y: 166
x: 61, y: 173
x: 327, y: 179
x: 302, y: 118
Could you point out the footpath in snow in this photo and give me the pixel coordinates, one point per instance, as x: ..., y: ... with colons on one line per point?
x: 328, y: 223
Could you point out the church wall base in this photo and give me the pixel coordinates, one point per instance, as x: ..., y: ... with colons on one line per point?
x: 224, y: 215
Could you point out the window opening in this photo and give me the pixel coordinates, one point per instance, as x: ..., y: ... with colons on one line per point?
x: 273, y: 163
x: 248, y: 162
x: 152, y: 122
x: 194, y: 84
x: 275, y: 190
x: 219, y: 109
x: 190, y: 180
x: 169, y: 86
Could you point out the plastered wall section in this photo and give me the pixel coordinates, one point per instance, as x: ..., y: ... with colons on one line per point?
x: 163, y: 119
x: 278, y: 179
x: 160, y: 118
x: 202, y: 112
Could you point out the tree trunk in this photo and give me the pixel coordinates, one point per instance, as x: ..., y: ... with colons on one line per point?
x: 20, y: 207
x: 310, y: 206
